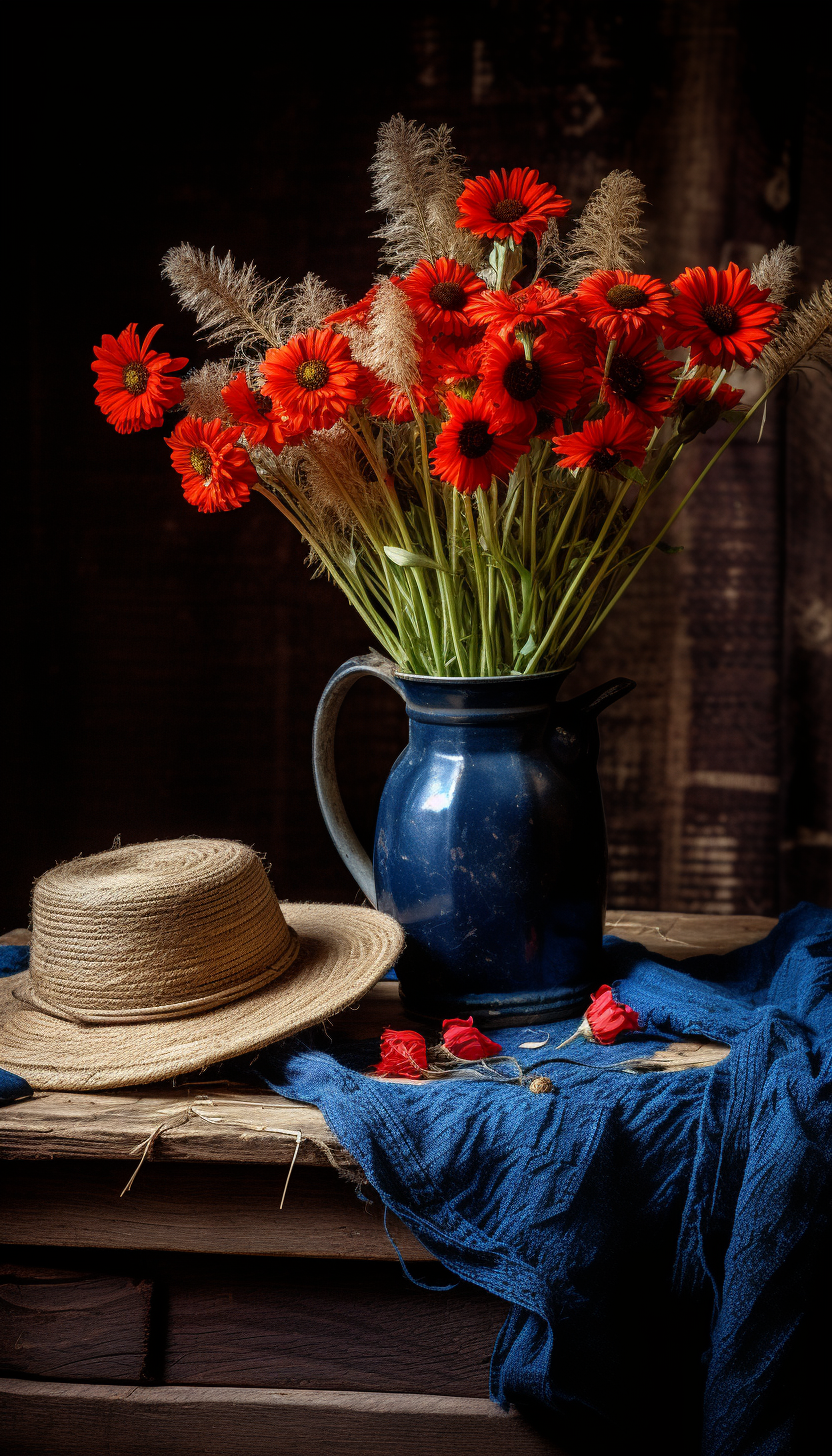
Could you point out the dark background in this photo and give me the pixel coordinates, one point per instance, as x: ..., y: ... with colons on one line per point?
x: 164, y: 666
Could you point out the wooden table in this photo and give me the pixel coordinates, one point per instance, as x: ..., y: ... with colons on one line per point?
x: 192, y: 1315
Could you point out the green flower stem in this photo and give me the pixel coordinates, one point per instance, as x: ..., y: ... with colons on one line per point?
x: 577, y: 579
x: 446, y: 596
x: 475, y: 549
x: 648, y: 550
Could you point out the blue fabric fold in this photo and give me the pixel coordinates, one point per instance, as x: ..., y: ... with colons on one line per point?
x: 13, y: 959
x: 660, y: 1235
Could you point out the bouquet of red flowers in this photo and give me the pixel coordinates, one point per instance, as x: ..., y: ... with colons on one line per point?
x: 469, y: 448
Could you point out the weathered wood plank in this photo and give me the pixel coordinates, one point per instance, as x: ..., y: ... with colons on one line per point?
x: 72, y: 1325
x: 222, y: 1208
x: 326, y: 1323
x: 203, y: 1122
x: 96, y: 1420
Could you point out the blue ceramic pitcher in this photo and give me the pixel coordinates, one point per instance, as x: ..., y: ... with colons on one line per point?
x: 490, y: 845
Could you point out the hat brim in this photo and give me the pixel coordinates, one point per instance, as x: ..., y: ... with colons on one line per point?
x: 344, y: 951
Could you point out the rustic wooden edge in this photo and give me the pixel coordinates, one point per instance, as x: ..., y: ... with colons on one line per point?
x: 212, y: 1208
x: 94, y: 1420
x: 209, y: 1122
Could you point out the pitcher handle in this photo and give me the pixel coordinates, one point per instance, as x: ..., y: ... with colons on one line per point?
x: 343, y: 835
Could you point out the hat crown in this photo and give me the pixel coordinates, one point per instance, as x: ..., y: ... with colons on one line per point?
x: 159, y: 929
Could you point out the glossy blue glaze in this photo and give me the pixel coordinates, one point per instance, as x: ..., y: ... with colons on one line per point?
x: 491, y: 848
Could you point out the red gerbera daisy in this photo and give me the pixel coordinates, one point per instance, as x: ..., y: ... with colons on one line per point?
x: 641, y: 381
x: 453, y: 362
x: 312, y: 380
x: 509, y: 204
x: 518, y: 387
x: 699, y: 388
x: 600, y: 444
x: 474, y: 444
x: 216, y: 472
x: 261, y: 426
x: 538, y: 307
x: 626, y: 306
x: 723, y: 316
x: 440, y: 294
x: 134, y: 386
x: 385, y: 402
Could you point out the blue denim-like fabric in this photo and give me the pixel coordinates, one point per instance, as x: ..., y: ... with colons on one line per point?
x: 13, y: 958
x: 659, y: 1235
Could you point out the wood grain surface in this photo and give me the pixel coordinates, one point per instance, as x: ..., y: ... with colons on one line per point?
x: 99, y: 1420
x: 222, y: 1208
x: 73, y: 1325
x: 336, y: 1324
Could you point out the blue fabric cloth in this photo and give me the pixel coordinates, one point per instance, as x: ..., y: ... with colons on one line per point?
x: 13, y: 958
x: 659, y: 1235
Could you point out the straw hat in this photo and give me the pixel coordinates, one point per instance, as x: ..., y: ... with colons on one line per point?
x: 158, y: 959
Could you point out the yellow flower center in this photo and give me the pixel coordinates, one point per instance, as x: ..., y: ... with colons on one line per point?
x: 134, y: 377
x: 201, y: 461
x: 312, y: 374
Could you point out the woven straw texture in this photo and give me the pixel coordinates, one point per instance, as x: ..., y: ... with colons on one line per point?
x: 159, y: 959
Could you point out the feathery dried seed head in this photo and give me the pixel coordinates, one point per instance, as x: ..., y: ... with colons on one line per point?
x: 417, y: 177
x: 776, y: 271
x: 203, y: 388
x: 311, y: 301
x: 230, y: 303
x: 388, y: 345
x: 608, y: 234
x: 806, y: 336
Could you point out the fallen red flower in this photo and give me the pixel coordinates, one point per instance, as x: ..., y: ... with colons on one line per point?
x: 134, y: 384
x: 403, y: 1054
x: 607, y: 1018
x: 216, y: 472
x: 466, y: 1042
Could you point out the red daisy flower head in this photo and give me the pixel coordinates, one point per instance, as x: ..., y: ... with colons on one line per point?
x: 454, y: 364
x: 640, y: 381
x: 253, y: 411
x: 625, y: 306
x: 440, y: 295
x: 518, y: 387
x: 536, y: 308
x: 134, y: 384
x: 476, y: 443
x: 601, y: 444
x: 721, y: 316
x: 216, y: 472
x: 312, y: 380
x: 509, y: 204
x: 700, y: 388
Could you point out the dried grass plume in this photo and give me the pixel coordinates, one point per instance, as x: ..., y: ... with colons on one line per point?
x: 203, y: 390
x: 806, y: 336
x: 231, y: 304
x: 776, y: 271
x: 608, y: 234
x: 388, y: 344
x: 417, y: 177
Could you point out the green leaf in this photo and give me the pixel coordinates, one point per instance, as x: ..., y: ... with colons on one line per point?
x: 412, y: 558
x: 528, y: 647
x: 631, y: 472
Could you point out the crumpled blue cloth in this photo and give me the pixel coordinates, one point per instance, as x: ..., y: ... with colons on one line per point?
x: 660, y: 1235
x: 13, y: 958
